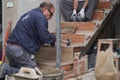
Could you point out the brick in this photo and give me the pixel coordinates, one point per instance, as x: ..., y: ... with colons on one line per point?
x: 82, y: 68
x: 77, y: 49
x: 67, y: 73
x: 70, y: 76
x: 75, y: 38
x: 80, y: 26
x: 75, y: 65
x: 78, y: 79
x: 104, y: 5
x: 67, y: 67
x: 98, y: 15
x: 76, y: 59
x: 77, y: 75
x: 76, y: 54
x: 82, y: 62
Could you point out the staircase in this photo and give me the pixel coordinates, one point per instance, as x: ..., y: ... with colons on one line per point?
x: 81, y: 39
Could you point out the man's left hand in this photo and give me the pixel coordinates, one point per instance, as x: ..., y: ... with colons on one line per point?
x: 82, y: 13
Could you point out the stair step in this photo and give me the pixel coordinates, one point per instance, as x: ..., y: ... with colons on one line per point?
x: 45, y: 64
x: 98, y: 15
x: 80, y: 26
x: 47, y: 55
x: 104, y: 5
x: 84, y: 32
x: 75, y: 38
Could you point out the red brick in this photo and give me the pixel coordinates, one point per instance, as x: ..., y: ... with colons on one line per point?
x: 78, y: 79
x: 76, y: 60
x: 70, y: 76
x: 75, y: 64
x: 82, y: 69
x: 82, y: 62
x: 67, y: 73
x: 67, y: 67
x: 76, y: 54
x: 75, y: 38
x: 98, y: 16
x: 104, y: 5
x: 80, y: 26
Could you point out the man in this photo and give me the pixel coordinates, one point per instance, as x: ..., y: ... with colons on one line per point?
x: 78, y: 10
x: 30, y: 32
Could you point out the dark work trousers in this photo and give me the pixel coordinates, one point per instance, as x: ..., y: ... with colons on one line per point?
x: 67, y: 8
x: 18, y: 57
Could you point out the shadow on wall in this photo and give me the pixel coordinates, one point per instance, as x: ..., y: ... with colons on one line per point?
x: 116, y: 23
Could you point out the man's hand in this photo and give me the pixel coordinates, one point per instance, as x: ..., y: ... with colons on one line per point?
x: 74, y: 16
x: 82, y: 13
x: 74, y: 13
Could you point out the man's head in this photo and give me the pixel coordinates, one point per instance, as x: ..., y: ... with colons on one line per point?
x: 47, y: 8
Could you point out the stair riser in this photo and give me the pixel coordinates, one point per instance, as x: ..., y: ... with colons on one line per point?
x: 75, y: 38
x: 104, y: 5
x: 80, y: 26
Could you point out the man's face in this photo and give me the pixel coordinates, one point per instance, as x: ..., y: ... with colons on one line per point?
x: 48, y: 12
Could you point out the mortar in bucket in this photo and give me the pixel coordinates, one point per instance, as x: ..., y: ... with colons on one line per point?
x: 52, y: 74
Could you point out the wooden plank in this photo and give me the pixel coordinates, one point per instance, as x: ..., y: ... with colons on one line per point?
x: 75, y: 38
x: 104, y: 5
x: 80, y: 26
x: 98, y: 16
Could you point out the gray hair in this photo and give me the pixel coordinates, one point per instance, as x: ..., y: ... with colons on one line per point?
x: 47, y: 4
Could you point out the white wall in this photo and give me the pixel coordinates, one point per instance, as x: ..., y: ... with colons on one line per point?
x: 26, y: 5
x: 21, y: 7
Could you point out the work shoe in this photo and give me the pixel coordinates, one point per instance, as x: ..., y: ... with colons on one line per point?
x: 74, y: 18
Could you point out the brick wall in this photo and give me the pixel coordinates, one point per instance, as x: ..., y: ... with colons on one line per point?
x: 80, y: 66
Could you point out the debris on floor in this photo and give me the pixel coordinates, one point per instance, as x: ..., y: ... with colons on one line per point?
x: 88, y: 76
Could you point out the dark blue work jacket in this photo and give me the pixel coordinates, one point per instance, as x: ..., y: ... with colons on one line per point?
x: 31, y: 31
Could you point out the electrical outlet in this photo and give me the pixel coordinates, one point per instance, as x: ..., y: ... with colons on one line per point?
x: 10, y: 4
